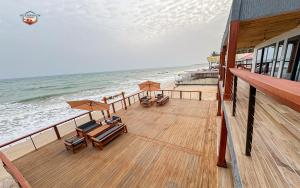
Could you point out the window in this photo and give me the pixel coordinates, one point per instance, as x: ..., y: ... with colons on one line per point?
x: 289, y: 60
x: 268, y: 60
x: 277, y: 60
x: 265, y: 54
x: 297, y: 77
x: 258, y: 59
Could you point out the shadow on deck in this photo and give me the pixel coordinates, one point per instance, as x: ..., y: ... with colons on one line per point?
x: 169, y: 146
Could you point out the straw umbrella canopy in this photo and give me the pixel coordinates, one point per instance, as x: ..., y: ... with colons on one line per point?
x: 89, y: 105
x: 149, y: 86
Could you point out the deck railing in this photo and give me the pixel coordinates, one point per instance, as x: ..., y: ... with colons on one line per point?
x: 36, y: 139
x: 285, y: 91
x: 12, y: 169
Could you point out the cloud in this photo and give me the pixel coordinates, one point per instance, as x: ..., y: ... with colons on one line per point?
x: 108, y: 34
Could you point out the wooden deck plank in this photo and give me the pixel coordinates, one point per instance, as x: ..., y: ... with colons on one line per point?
x: 168, y: 146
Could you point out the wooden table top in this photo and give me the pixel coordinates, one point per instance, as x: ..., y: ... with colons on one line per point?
x: 153, y: 100
x: 97, y: 130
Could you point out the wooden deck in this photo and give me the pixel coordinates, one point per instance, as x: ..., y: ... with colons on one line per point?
x: 275, y: 156
x: 170, y: 146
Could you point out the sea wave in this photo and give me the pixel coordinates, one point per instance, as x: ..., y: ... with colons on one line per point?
x: 43, y: 97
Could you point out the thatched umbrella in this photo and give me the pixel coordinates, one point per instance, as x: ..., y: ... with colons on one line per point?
x: 89, y: 105
x: 149, y: 86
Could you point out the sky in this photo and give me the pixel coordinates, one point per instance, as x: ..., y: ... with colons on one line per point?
x: 74, y: 36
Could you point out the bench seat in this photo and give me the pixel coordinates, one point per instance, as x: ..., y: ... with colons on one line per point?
x: 82, y: 130
x: 105, y: 137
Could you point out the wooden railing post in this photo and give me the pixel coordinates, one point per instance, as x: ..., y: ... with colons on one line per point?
x: 234, y: 95
x: 129, y: 101
x: 123, y: 95
x: 75, y: 122
x: 223, y: 143
x: 105, y: 101
x: 200, y: 95
x: 180, y: 94
x: 139, y: 96
x: 57, y: 132
x: 113, y: 106
x: 251, y: 111
x: 90, y: 114
x: 33, y: 143
x: 162, y: 92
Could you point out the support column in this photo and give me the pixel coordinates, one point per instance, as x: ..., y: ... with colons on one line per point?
x: 231, y: 53
x: 222, y: 145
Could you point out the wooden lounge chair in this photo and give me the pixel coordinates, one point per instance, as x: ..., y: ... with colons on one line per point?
x: 75, y: 142
x: 105, y: 137
x: 82, y: 130
x: 162, y: 101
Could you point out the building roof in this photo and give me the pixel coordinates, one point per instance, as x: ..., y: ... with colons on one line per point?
x: 245, y: 10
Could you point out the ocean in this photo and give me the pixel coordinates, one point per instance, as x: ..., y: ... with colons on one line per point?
x: 29, y: 104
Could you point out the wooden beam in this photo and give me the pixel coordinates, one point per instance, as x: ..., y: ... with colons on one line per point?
x: 12, y: 169
x: 231, y: 53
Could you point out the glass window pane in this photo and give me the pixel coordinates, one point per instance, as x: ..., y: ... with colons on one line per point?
x: 289, y: 51
x: 277, y: 62
x: 258, y: 55
x: 258, y: 58
x: 270, y: 53
x: 297, y: 78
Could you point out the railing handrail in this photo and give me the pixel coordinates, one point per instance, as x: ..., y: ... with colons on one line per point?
x: 41, y: 130
x: 14, y: 171
x: 285, y: 91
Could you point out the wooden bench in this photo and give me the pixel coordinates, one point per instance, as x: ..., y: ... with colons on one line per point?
x: 110, y: 134
x: 82, y: 130
x: 162, y: 101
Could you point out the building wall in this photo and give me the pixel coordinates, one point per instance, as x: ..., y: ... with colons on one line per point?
x: 283, y: 37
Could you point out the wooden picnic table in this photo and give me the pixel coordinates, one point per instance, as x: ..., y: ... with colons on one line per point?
x: 98, y: 130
